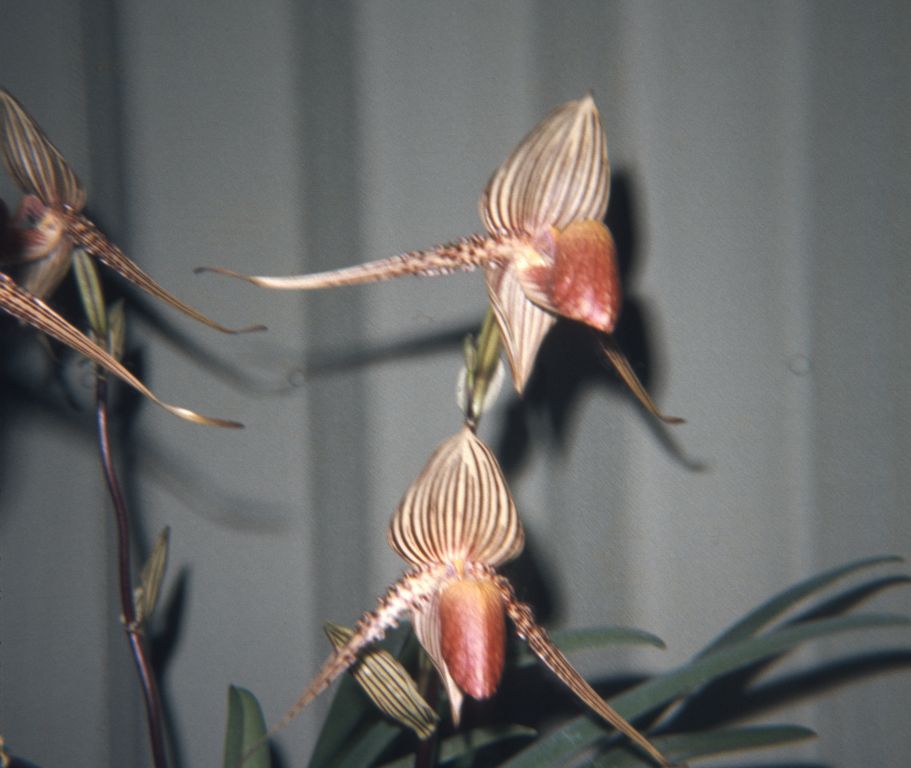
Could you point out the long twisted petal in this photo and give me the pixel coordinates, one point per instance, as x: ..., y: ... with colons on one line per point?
x: 36, y: 313
x: 413, y: 589
x: 542, y: 646
x: 621, y: 364
x: 464, y: 255
x: 89, y: 237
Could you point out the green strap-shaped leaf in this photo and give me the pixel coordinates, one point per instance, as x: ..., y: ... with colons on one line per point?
x: 665, y: 688
x: 367, y: 746
x: 686, y: 746
x: 463, y: 744
x: 590, y: 639
x: 780, y: 603
x: 246, y: 728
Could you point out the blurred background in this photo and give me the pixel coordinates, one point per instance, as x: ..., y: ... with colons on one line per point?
x: 761, y: 200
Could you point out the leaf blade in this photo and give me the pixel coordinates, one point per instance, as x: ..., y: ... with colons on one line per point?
x: 686, y: 746
x: 582, y: 732
x: 462, y: 744
x: 581, y: 639
x: 781, y: 602
x: 246, y: 727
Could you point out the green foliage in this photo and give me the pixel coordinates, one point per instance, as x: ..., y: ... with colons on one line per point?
x: 686, y: 746
x: 246, y: 729
x: 593, y: 639
x: 355, y: 736
x: 467, y: 744
x: 735, y: 649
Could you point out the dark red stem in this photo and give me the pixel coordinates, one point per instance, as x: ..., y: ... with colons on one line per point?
x: 425, y: 756
x: 127, y: 608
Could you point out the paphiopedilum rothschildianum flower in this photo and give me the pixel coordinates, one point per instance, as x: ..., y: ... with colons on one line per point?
x: 50, y: 217
x: 47, y: 228
x: 546, y: 253
x: 455, y: 526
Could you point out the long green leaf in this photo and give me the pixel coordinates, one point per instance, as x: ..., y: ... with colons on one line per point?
x: 471, y: 741
x: 343, y: 723
x: 686, y: 746
x: 368, y: 745
x: 780, y: 603
x: 246, y: 727
x: 665, y: 688
x: 582, y: 732
x: 593, y: 638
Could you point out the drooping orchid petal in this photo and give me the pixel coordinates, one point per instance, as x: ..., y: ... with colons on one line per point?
x: 22, y: 305
x: 455, y: 524
x: 425, y: 620
x: 546, y: 253
x: 415, y: 588
x: 40, y: 170
x: 523, y: 324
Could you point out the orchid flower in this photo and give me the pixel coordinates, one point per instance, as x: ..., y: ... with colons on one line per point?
x: 546, y: 252
x: 42, y: 252
x: 455, y: 525
x: 46, y: 230
x: 52, y: 214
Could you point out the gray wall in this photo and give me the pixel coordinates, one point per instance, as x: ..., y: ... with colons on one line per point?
x: 762, y: 166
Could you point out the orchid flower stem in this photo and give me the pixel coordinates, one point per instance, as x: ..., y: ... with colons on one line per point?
x: 425, y: 756
x: 133, y: 630
x: 481, y: 364
x: 108, y: 328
